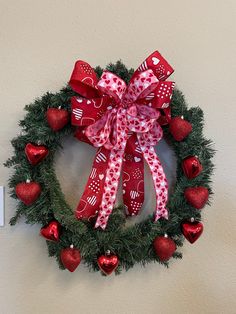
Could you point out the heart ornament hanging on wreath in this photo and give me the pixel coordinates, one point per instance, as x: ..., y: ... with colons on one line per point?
x: 123, y: 114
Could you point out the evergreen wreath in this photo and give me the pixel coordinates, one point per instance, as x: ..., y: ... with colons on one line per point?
x: 118, y: 247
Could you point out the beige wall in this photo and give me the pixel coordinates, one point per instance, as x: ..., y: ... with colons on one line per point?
x: 40, y: 40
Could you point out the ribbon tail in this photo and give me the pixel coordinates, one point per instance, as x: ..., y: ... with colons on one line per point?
x: 133, y: 177
x: 159, y: 179
x: 110, y: 187
x: 89, y: 203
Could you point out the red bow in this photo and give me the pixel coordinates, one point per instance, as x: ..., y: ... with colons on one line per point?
x: 124, y: 122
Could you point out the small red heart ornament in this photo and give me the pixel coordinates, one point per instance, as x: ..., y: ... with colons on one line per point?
x: 51, y: 231
x: 192, y: 230
x: 191, y: 167
x: 108, y: 263
x: 57, y: 118
x: 180, y: 128
x: 70, y: 258
x: 164, y: 248
x: 35, y: 153
x: 196, y: 196
x: 28, y: 192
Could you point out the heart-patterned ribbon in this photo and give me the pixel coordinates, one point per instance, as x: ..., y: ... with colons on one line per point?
x: 124, y: 122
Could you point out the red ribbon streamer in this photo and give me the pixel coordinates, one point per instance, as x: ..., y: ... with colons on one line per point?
x: 124, y: 122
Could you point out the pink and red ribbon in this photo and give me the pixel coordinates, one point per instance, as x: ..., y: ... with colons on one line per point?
x: 124, y: 123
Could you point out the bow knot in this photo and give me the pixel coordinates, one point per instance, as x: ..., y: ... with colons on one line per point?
x: 110, y: 131
x: 123, y: 122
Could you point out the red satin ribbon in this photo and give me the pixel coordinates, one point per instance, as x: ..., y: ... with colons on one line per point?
x: 124, y: 121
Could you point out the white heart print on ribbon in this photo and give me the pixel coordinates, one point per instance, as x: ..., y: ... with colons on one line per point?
x: 155, y: 60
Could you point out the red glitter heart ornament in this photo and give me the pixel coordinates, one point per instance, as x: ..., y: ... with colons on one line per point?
x: 192, y: 230
x: 108, y: 263
x: 70, y: 258
x: 180, y: 128
x: 164, y: 248
x: 28, y: 192
x: 191, y: 167
x: 196, y: 196
x: 57, y: 118
x: 35, y: 153
x: 51, y: 231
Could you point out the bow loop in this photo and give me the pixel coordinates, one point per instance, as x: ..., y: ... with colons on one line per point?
x: 153, y: 136
x: 148, y: 112
x: 160, y: 67
x: 84, y: 80
x: 112, y: 85
x: 87, y: 111
x: 99, y: 132
x: 141, y: 85
x: 163, y: 94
